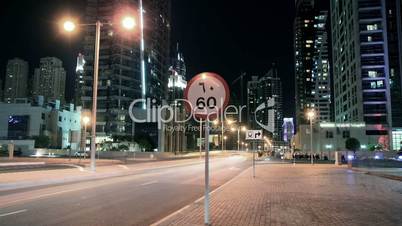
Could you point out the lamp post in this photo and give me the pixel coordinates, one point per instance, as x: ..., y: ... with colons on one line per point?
x: 310, y: 116
x: 128, y: 23
x: 239, y: 128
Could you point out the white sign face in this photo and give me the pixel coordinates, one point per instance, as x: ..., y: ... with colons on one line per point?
x: 207, y: 94
x: 200, y: 141
x: 253, y: 134
x: 271, y: 115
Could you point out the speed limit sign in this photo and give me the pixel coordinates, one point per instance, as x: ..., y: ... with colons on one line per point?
x: 207, y: 95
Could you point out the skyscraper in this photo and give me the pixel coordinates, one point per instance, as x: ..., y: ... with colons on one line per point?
x: 120, y: 73
x: 321, y: 69
x: 288, y: 130
x: 175, y: 136
x: 252, y: 102
x: 50, y: 80
x: 312, y: 68
x: 16, y: 80
x: 367, y: 48
x: 304, y: 52
x: 177, y: 78
x: 270, y: 87
x: 79, y: 80
x: 261, y: 91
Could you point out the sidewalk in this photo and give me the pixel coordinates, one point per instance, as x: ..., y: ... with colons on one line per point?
x: 299, y: 195
x: 390, y: 173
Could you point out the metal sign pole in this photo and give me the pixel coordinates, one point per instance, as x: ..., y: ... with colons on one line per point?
x: 206, y: 200
x: 200, y: 138
x: 254, y: 159
x: 207, y: 94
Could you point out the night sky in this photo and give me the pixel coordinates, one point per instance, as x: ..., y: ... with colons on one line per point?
x: 221, y: 36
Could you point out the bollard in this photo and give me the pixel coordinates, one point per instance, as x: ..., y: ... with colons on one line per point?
x: 10, y: 151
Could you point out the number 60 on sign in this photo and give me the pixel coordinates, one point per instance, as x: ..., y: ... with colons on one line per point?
x: 207, y: 94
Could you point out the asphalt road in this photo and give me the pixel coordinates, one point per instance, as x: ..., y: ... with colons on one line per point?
x: 138, y: 199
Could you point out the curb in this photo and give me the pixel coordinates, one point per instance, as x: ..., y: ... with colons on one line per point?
x: 199, y: 199
x: 387, y: 176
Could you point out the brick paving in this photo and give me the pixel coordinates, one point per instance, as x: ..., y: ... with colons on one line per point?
x: 300, y: 195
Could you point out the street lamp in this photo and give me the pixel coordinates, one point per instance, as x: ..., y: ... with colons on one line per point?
x: 239, y: 128
x: 69, y: 26
x: 128, y: 23
x: 310, y: 116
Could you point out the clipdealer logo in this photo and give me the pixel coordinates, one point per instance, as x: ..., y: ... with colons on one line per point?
x: 165, y: 113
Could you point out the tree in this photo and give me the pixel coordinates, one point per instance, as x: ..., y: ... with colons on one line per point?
x: 41, y: 141
x: 145, y: 142
x: 352, y: 144
x: 123, y: 147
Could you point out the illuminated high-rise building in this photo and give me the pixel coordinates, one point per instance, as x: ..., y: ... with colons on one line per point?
x: 261, y: 94
x: 367, y: 48
x: 312, y: 66
x: 321, y: 76
x: 16, y: 80
x: 288, y: 129
x: 304, y: 53
x: 79, y: 80
x: 175, y: 137
x: 122, y: 78
x: 50, y: 80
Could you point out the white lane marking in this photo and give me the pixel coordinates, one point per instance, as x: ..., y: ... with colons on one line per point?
x: 12, y: 213
x: 80, y: 168
x: 150, y: 182
x: 123, y: 166
x: 22, y: 163
x: 78, y: 189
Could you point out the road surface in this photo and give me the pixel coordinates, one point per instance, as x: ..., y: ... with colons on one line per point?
x: 138, y: 199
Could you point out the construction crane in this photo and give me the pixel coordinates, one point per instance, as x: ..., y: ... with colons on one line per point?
x: 240, y: 78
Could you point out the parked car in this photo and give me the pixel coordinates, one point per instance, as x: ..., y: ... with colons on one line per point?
x: 378, y: 155
x: 399, y: 156
x: 81, y: 154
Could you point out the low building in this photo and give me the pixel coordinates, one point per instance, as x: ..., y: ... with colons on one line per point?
x: 329, y: 137
x: 26, y: 121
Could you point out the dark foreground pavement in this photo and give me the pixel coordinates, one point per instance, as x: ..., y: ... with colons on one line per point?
x: 140, y: 198
x: 299, y: 195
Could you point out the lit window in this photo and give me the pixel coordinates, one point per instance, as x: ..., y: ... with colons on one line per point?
x: 372, y: 27
x: 380, y: 84
x: 369, y: 39
x: 372, y: 74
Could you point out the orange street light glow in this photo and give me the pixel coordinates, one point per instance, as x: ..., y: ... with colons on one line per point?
x: 128, y: 23
x: 69, y: 26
